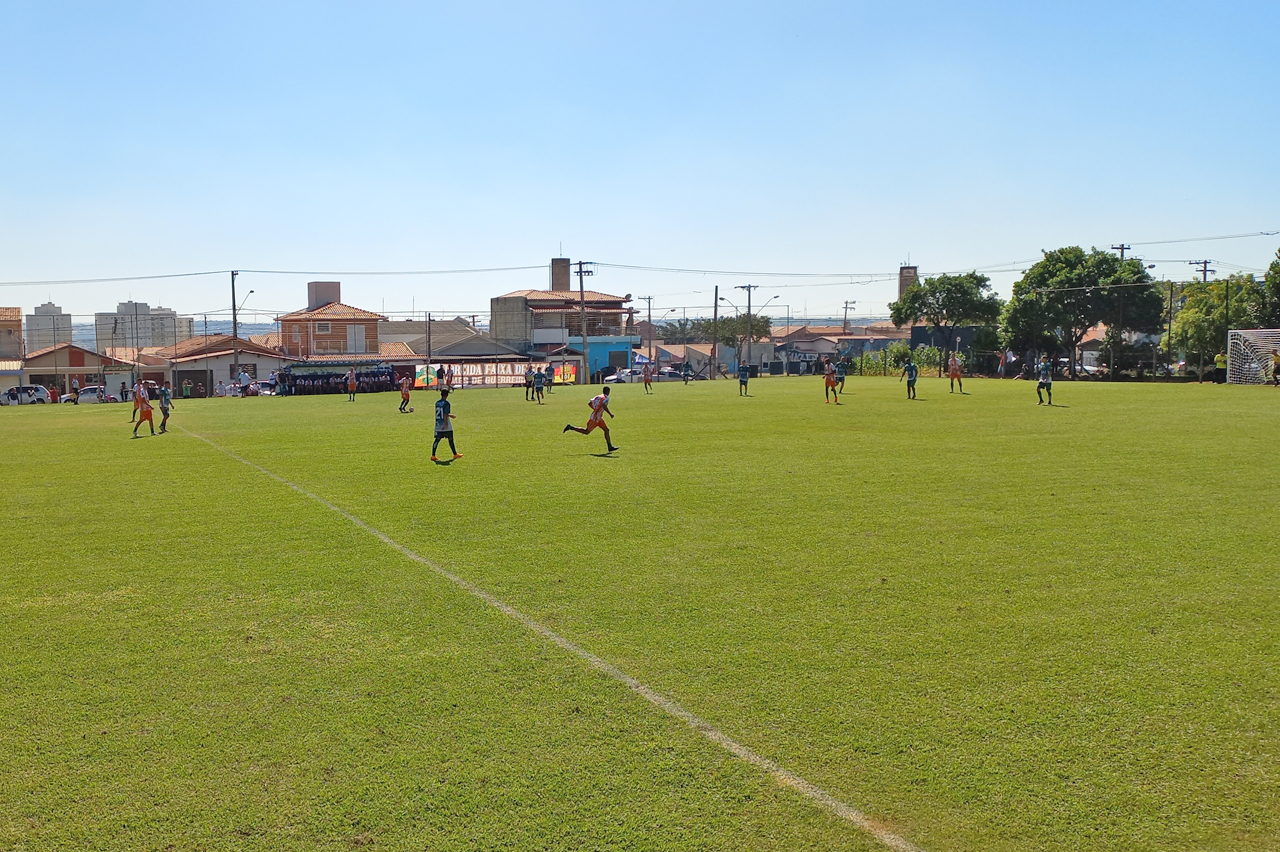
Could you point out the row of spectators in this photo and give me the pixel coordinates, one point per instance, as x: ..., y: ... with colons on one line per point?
x: 318, y: 383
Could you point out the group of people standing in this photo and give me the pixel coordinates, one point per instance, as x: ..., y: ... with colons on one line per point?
x: 142, y: 408
x: 536, y: 383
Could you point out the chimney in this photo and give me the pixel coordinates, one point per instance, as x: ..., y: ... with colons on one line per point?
x: 560, y: 277
x: 321, y: 293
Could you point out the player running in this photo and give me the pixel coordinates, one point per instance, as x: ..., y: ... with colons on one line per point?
x: 646, y: 373
x: 166, y: 402
x: 744, y: 374
x: 831, y: 382
x: 444, y: 425
x: 841, y: 372
x: 144, y: 409
x: 953, y: 372
x: 599, y: 408
x: 351, y: 385
x: 405, y: 384
x: 1046, y: 380
x: 910, y: 372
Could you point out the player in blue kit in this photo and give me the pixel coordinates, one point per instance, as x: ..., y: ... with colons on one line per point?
x: 744, y: 374
x: 444, y: 425
x: 910, y: 372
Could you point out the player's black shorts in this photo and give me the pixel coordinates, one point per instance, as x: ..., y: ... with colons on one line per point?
x: 742, y: 382
x: 443, y: 434
x: 1045, y: 385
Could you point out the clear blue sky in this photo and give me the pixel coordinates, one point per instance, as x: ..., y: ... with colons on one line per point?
x: 143, y: 138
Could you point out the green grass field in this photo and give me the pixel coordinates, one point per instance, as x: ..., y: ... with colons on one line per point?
x: 985, y: 624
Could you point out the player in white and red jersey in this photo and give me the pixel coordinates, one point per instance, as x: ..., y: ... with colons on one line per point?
x: 599, y: 408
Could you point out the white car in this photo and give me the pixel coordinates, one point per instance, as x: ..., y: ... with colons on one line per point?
x: 25, y: 395
x: 90, y: 393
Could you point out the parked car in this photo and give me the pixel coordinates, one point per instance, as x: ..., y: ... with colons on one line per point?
x: 91, y: 393
x: 25, y: 395
x: 624, y: 376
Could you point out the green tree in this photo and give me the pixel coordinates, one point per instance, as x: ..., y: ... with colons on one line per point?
x: 1269, y: 316
x: 1200, y: 326
x: 945, y: 303
x: 681, y: 331
x: 1070, y: 291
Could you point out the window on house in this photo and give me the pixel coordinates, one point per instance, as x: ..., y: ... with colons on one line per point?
x: 324, y: 328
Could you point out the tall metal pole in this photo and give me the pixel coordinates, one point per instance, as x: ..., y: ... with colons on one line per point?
x: 715, y: 332
x: 750, y: 335
x: 428, y: 338
x: 582, y: 272
x: 235, y: 326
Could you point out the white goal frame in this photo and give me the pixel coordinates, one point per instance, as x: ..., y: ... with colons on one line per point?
x: 1249, y: 355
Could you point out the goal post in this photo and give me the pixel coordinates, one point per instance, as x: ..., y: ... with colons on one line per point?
x: 1249, y: 352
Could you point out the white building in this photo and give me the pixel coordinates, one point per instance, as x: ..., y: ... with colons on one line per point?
x: 47, y: 326
x: 136, y: 325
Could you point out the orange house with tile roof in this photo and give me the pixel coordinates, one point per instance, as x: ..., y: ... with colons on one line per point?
x: 330, y: 327
x: 11, y: 333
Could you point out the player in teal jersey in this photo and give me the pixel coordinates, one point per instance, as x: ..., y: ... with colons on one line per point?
x: 444, y: 425
x: 1046, y: 380
x: 910, y: 372
x: 166, y: 402
x: 539, y: 380
x: 841, y: 371
x: 744, y: 374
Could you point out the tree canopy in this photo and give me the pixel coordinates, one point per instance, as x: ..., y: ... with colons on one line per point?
x: 1200, y: 327
x: 947, y: 302
x: 1070, y: 291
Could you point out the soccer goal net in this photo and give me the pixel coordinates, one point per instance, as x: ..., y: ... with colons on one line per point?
x: 1249, y: 355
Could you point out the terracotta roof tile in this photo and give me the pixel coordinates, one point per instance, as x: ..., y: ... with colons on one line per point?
x: 11, y: 314
x: 396, y: 350
x: 563, y: 296
x: 333, y: 311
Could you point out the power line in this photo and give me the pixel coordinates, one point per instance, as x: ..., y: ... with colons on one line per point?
x: 111, y: 280
x: 264, y: 272
x: 393, y: 272
x: 1208, y: 239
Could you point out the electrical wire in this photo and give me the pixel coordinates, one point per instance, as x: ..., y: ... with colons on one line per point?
x: 1207, y: 239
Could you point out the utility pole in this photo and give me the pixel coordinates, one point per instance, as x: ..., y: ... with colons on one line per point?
x: 428, y: 338
x: 582, y: 272
x: 235, y: 327
x: 715, y: 333
x: 1122, y: 248
x: 847, y: 305
x: 1169, y: 342
x: 649, y: 300
x: 1204, y: 277
x: 748, y: 288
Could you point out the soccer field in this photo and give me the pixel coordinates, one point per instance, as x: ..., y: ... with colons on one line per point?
x: 971, y: 622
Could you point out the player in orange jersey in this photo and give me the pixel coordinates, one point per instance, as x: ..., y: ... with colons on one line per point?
x: 406, y: 382
x: 144, y: 409
x: 953, y: 373
x: 599, y: 408
x: 831, y: 383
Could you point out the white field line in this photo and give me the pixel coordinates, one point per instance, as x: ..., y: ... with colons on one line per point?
x: 783, y: 776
